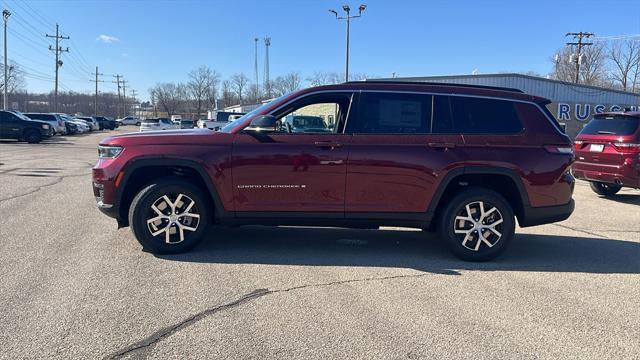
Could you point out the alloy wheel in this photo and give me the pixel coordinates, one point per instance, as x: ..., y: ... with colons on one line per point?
x: 478, y: 224
x: 173, y: 218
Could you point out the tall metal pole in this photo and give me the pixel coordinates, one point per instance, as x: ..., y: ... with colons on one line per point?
x: 5, y: 16
x: 255, y: 65
x: 347, y: 10
x: 346, y: 67
x: 267, y: 82
x: 96, y: 81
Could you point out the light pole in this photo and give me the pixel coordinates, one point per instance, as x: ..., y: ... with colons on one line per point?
x: 348, y: 17
x: 5, y: 16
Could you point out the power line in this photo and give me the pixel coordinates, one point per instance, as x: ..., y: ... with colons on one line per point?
x: 97, y: 80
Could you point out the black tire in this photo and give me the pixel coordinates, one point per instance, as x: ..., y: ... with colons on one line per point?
x: 141, y: 211
x: 138, y: 123
x: 605, y: 189
x: 32, y: 136
x: 457, y: 207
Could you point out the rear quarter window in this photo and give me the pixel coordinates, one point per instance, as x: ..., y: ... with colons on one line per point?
x: 611, y: 125
x: 484, y: 116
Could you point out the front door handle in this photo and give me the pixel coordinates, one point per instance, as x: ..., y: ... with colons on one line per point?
x: 328, y: 144
x: 441, y: 145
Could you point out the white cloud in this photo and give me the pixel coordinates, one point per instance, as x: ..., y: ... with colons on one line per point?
x: 107, y: 38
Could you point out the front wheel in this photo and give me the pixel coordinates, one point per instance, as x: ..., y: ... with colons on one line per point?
x: 605, y: 189
x: 138, y: 123
x: 33, y: 137
x: 477, y: 224
x: 169, y: 216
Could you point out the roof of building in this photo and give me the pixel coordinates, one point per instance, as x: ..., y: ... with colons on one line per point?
x: 556, y: 90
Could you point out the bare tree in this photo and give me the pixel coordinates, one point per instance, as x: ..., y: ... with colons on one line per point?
x: 592, y: 65
x: 15, y: 78
x: 202, y: 86
x: 169, y: 97
x: 287, y: 83
x: 239, y: 83
x: 624, y: 56
x: 320, y: 78
x: 227, y: 93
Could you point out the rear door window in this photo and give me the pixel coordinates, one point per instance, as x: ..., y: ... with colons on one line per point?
x: 394, y: 113
x: 484, y: 116
x: 611, y: 125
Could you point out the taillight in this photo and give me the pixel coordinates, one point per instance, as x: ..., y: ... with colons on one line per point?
x: 627, y: 147
x: 578, y: 144
x: 559, y: 149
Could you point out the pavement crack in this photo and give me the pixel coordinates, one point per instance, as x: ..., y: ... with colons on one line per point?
x: 169, y: 330
x: 581, y: 230
x: 153, y: 339
x: 57, y: 181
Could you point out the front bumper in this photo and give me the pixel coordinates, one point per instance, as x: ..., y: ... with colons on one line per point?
x: 532, y: 216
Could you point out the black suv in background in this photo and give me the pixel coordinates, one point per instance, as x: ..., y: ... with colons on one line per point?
x: 14, y: 125
x: 106, y: 123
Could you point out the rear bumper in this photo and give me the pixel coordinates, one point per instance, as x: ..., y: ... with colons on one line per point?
x: 628, y: 176
x: 532, y: 216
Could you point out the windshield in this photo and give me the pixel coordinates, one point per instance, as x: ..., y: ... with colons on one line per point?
x: 22, y: 116
x: 238, y: 122
x: 611, y: 125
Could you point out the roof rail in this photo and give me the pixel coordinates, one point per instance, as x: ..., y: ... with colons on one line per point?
x: 438, y: 84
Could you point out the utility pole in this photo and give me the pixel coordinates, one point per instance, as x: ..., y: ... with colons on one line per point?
x: 117, y: 76
x: 580, y: 44
x: 255, y: 67
x: 5, y: 16
x: 348, y: 17
x: 95, y: 105
x: 133, y: 97
x: 267, y: 83
x: 125, y: 110
x: 57, y: 50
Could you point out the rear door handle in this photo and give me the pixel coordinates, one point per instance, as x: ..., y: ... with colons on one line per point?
x: 328, y: 144
x: 438, y: 145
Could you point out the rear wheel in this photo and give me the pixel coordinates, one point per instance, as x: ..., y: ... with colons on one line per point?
x: 477, y: 224
x: 138, y: 123
x: 605, y: 189
x: 32, y: 136
x: 169, y: 216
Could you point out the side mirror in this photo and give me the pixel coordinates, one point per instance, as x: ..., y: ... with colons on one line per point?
x: 263, y: 123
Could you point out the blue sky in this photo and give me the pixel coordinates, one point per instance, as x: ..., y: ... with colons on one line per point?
x: 157, y: 41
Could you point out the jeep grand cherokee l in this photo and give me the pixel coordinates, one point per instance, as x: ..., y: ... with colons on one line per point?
x: 467, y: 161
x: 608, y: 152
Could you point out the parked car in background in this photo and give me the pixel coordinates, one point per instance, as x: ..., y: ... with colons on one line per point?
x: 72, y: 128
x: 106, y: 123
x: 93, y: 123
x: 82, y: 125
x: 56, y: 122
x: 222, y: 119
x: 607, y: 152
x: 129, y: 120
x: 176, y: 119
x: 467, y: 161
x: 14, y: 125
x: 305, y: 124
x: 157, y: 124
x: 186, y: 124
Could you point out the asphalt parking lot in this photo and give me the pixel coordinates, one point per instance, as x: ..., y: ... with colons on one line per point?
x: 74, y: 286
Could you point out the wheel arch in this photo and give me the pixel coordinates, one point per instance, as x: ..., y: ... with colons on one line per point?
x: 139, y: 172
x: 504, y: 181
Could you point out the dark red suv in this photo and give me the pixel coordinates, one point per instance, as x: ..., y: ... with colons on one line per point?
x: 608, y: 152
x: 464, y: 160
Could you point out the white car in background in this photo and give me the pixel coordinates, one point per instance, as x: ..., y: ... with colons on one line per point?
x: 216, y: 125
x: 82, y: 125
x: 129, y: 120
x: 158, y: 124
x: 91, y: 121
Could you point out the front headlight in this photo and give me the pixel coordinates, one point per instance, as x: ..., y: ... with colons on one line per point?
x: 45, y: 126
x: 108, y: 151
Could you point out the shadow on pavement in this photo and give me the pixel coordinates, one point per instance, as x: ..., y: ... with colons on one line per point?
x: 631, y: 199
x: 407, y: 249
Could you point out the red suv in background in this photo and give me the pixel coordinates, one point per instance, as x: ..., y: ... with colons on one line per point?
x: 465, y: 160
x: 607, y: 152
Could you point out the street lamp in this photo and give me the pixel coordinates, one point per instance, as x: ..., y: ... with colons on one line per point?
x: 5, y: 17
x: 348, y: 17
